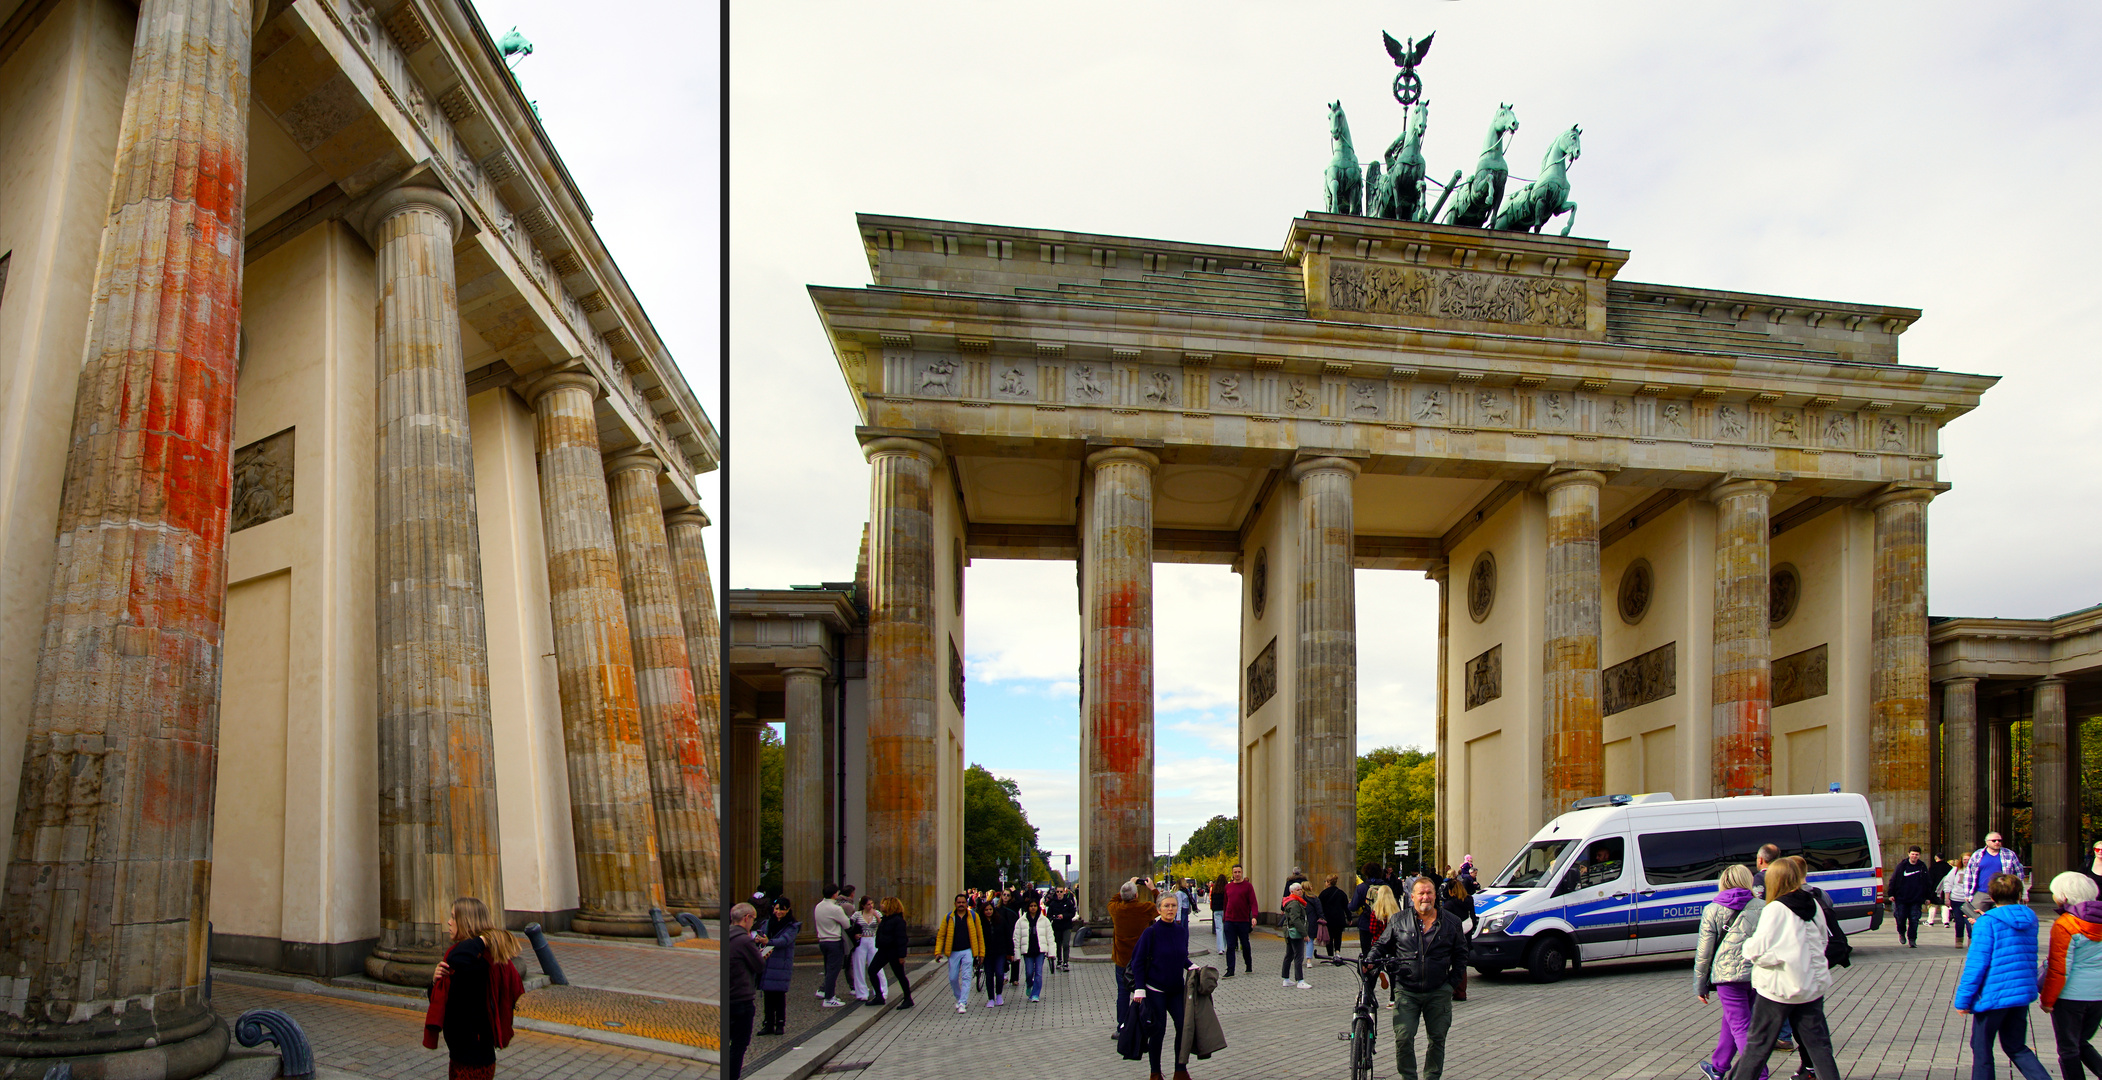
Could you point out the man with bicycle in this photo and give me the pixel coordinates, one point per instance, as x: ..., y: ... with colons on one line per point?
x: 1426, y: 956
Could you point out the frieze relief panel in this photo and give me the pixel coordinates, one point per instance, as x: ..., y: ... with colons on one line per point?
x: 1376, y: 288
x: 1262, y: 677
x: 1800, y: 676
x: 1365, y: 400
x: 1485, y: 677
x: 1652, y: 676
x: 262, y: 477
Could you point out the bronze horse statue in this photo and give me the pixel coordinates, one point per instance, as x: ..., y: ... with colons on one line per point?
x: 1538, y: 202
x: 1475, y: 204
x: 1342, y: 181
x: 1397, y: 194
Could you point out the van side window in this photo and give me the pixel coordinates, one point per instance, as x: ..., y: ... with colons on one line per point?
x: 1836, y: 845
x: 1672, y: 858
x: 1600, y: 863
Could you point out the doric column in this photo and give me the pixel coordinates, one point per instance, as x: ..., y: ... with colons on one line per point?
x: 1959, y: 722
x: 741, y: 869
x: 689, y: 563
x: 1325, y: 709
x: 1897, y: 770
x: 903, y: 678
x: 1740, y: 718
x: 671, y: 733
x: 103, y: 937
x: 437, y: 804
x: 1571, y: 766
x: 803, y: 802
x: 618, y: 876
x: 2054, y: 792
x: 1999, y: 779
x: 1117, y: 704
x: 1442, y: 806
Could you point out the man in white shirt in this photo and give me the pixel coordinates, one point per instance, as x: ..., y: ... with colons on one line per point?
x: 831, y: 922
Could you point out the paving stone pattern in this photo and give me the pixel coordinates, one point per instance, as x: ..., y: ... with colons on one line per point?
x: 1890, y: 1014
x: 381, y: 1043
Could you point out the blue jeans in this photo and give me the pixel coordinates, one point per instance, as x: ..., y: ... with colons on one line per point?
x: 2011, y: 1027
x: 961, y: 969
x: 1035, y: 966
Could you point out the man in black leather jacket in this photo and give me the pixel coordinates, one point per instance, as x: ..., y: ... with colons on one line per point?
x: 1428, y: 954
x: 1062, y: 909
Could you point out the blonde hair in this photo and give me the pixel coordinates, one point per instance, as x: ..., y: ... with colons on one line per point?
x: 893, y: 906
x: 471, y: 919
x: 1735, y: 876
x: 1384, y: 906
x: 1784, y: 876
x: 2072, y: 887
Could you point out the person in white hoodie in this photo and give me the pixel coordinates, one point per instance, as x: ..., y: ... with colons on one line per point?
x: 1789, y: 975
x: 1033, y: 941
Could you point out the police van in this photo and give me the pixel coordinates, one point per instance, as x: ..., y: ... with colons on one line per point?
x: 1629, y: 875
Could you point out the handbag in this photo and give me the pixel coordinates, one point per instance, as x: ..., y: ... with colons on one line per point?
x: 1321, y: 932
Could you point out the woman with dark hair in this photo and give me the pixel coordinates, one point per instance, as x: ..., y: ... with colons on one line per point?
x: 779, y: 948
x: 890, y: 949
x: 1217, y: 902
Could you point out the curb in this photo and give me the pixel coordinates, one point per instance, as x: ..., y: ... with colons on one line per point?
x: 294, y: 985
x: 799, y: 1062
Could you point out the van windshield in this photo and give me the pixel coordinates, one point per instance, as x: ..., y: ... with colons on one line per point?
x: 1530, y: 869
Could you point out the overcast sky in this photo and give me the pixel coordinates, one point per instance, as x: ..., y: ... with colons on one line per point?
x: 1933, y: 155
x: 637, y: 119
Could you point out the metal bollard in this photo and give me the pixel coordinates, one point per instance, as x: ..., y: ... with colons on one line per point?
x: 694, y: 923
x: 546, y: 955
x: 295, y: 1056
x: 657, y: 921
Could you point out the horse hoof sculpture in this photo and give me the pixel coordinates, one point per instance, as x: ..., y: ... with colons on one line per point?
x: 257, y: 1026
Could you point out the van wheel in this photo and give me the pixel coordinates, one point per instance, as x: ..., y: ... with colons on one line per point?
x: 1548, y: 958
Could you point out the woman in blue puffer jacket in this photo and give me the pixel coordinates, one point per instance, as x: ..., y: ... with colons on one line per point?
x: 1999, y: 982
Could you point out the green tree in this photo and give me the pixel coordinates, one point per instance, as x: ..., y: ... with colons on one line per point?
x: 996, y: 830
x: 1389, y: 755
x: 1397, y: 799
x: 773, y: 770
x: 1219, y: 836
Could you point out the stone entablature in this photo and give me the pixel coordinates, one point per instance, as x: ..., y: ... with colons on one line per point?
x: 2070, y: 644
x: 988, y: 347
x: 420, y: 83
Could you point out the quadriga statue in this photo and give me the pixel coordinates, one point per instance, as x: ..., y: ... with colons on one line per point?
x: 1343, y: 182
x: 1475, y: 204
x: 1538, y: 202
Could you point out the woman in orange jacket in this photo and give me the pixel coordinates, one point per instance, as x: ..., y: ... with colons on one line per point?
x: 2072, y: 986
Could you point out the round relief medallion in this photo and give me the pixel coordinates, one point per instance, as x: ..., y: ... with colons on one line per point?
x: 1637, y: 584
x: 1481, y: 586
x: 1259, y: 582
x: 1783, y: 589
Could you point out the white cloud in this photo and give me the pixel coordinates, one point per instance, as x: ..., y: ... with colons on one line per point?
x: 1217, y: 735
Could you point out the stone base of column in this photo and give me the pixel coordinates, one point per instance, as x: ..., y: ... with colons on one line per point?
x: 614, y: 925
x: 194, y: 1054
x: 403, y: 968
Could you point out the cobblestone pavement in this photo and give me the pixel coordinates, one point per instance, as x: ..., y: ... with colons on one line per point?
x: 669, y: 1019
x: 1889, y: 1012
x: 375, y: 1042
x: 806, y: 1018
x: 644, y: 968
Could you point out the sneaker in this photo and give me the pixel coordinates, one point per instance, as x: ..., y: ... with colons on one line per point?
x: 833, y: 1003
x: 989, y: 1003
x: 959, y: 1006
x: 820, y: 994
x: 1288, y: 982
x: 1229, y: 974
x: 1784, y: 1046
x: 1305, y: 985
x: 1709, y: 1070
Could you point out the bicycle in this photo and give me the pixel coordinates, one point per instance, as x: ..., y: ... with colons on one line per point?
x: 1363, y: 1035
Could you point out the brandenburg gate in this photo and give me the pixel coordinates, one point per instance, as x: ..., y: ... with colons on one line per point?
x: 1679, y: 533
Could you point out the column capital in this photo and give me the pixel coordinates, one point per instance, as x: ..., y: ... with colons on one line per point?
x: 566, y: 378
x: 2049, y: 681
x: 1735, y: 484
x: 891, y: 446
x: 403, y: 198
x: 1310, y: 466
x: 818, y: 673
x: 1919, y: 491
x: 642, y: 458
x: 1439, y: 573
x: 1564, y: 476
x: 1960, y: 680
x: 1129, y: 455
x: 692, y: 515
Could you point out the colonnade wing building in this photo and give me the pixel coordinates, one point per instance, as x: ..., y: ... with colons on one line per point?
x: 375, y: 498
x: 1679, y: 533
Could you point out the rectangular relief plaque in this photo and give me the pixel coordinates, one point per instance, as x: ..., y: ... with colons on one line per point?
x: 1485, y: 677
x: 1262, y: 677
x: 1653, y: 676
x: 262, y: 481
x: 1800, y: 676
x: 1382, y: 289
x: 955, y: 675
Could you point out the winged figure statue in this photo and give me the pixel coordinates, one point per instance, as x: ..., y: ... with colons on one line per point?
x: 1408, y: 86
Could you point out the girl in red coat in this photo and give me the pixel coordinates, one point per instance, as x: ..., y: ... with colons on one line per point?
x: 474, y: 992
